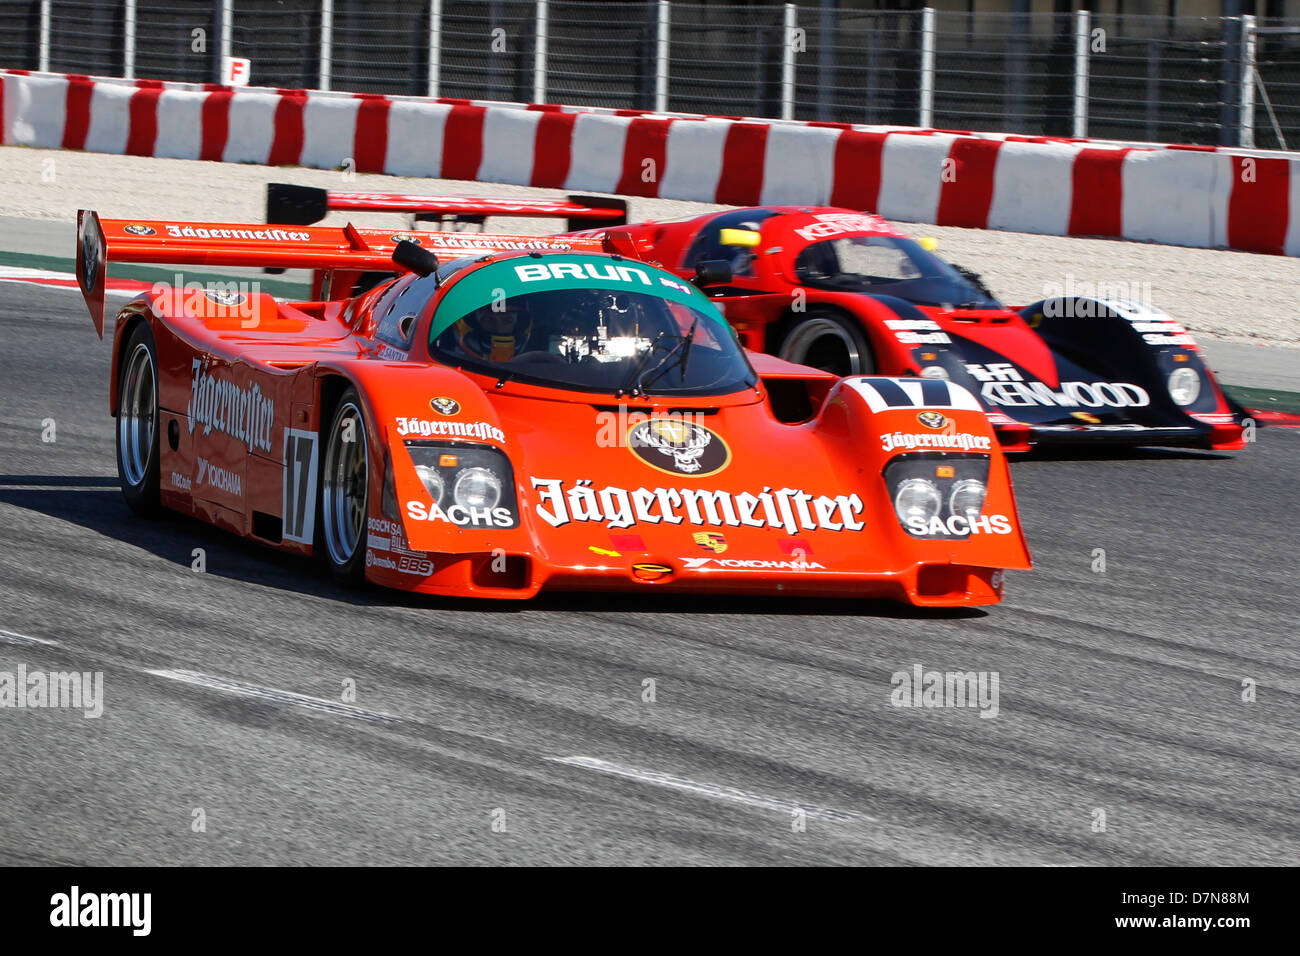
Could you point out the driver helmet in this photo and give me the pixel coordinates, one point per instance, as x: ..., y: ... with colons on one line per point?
x: 496, y: 334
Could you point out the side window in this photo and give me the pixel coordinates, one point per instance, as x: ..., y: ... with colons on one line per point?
x: 400, y: 316
x: 708, y: 244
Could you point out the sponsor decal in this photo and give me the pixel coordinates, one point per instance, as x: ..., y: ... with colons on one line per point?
x: 932, y: 419
x: 757, y: 564
x: 175, y: 231
x: 1184, y: 340
x: 917, y: 331
x: 385, y: 535
x: 1089, y: 394
x: 216, y: 403
x: 679, y: 447
x: 136, y: 229
x: 960, y: 525
x: 379, y: 561
x: 535, y: 272
x: 956, y: 441
x: 468, y: 242
x: 838, y: 224
x: 710, y: 541
x: 405, y: 237
x: 607, y: 552
x: 460, y: 516
x: 444, y: 405
x: 425, y: 429
x: 414, y: 564
x: 993, y: 372
x: 180, y: 481
x: 1088, y: 417
x: 392, y: 354
x: 219, y: 478
x: 1004, y: 385
x: 790, y: 509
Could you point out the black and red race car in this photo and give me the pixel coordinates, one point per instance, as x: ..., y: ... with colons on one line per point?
x: 847, y: 293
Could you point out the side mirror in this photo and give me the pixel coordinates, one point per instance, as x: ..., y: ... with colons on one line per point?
x: 712, y: 272
x: 415, y: 258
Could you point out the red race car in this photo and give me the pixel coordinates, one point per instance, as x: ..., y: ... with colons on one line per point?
x: 847, y: 293
x: 506, y: 420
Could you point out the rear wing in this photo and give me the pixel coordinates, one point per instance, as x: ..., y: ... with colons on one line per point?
x: 291, y: 205
x: 101, y: 241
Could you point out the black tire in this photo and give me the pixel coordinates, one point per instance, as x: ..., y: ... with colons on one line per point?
x: 137, y: 430
x: 828, y: 340
x: 342, y: 514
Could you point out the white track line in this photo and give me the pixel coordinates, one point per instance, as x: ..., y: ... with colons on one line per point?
x: 710, y: 790
x: 275, y: 695
x: 9, y: 637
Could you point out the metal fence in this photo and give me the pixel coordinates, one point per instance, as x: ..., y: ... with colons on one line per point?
x: 1227, y: 81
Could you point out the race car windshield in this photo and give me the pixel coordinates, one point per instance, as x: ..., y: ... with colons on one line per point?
x: 888, y: 265
x: 598, y: 340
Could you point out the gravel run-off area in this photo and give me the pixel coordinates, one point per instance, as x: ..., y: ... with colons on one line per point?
x: 1219, y: 294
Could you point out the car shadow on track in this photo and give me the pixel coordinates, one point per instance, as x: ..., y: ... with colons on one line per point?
x: 1052, y: 453
x: 95, y: 503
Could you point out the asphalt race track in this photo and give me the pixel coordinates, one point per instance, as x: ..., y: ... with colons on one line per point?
x: 518, y: 734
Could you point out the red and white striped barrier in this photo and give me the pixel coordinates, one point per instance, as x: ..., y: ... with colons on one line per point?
x: 1191, y: 196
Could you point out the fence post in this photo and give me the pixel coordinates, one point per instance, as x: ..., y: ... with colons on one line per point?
x: 926, y: 118
x: 539, y: 55
x: 1247, y: 134
x: 787, y: 62
x: 43, y: 49
x: 225, y: 42
x: 326, y: 43
x: 661, y: 58
x: 435, y: 46
x: 1082, y: 31
x: 128, y: 36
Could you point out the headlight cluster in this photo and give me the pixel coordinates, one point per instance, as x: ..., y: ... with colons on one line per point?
x: 931, y: 489
x: 472, y: 484
x: 1184, y: 385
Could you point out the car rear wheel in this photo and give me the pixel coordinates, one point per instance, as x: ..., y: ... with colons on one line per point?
x: 137, y: 422
x: 829, y: 341
x: 344, y: 494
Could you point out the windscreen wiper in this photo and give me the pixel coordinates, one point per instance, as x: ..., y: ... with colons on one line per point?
x: 684, y: 344
x: 634, y: 380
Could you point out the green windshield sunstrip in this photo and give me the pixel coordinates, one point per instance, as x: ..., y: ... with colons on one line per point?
x: 524, y: 274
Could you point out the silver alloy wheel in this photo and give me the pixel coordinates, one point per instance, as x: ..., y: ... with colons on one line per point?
x: 136, y: 413
x: 822, y: 337
x: 344, y: 481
